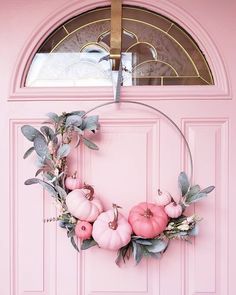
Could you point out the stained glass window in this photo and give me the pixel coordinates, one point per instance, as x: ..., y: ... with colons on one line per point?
x: 155, y: 51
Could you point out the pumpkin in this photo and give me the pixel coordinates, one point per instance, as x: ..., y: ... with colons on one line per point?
x: 148, y: 220
x: 111, y: 230
x: 82, y: 204
x: 173, y: 210
x: 83, y: 230
x: 163, y: 198
x: 72, y: 182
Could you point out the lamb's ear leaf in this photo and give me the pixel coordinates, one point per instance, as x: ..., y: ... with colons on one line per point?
x: 78, y: 113
x: 90, y: 123
x: 61, y: 191
x: 143, y: 242
x: 63, y: 151
x: 48, y: 132
x: 89, y: 144
x: 28, y: 152
x: 74, y: 243
x: 44, y: 184
x: 195, y: 198
x: 194, y: 190
x: 30, y: 132
x: 41, y: 147
x: 208, y: 189
x: 119, y: 257
x: 157, y: 246
x: 53, y: 116
x: 73, y: 120
x: 86, y: 244
x: 137, y: 252
x: 194, y: 231
x: 183, y: 183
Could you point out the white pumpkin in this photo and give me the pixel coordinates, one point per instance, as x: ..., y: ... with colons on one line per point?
x: 163, y: 198
x: 112, y: 230
x: 82, y: 204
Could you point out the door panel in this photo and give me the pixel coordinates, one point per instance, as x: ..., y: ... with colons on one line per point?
x: 136, y: 157
x: 140, y: 151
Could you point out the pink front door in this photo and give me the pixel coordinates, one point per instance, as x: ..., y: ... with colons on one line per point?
x: 139, y: 153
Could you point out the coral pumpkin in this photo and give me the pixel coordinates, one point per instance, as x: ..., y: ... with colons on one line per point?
x: 148, y: 220
x: 82, y: 204
x: 83, y: 230
x: 111, y: 230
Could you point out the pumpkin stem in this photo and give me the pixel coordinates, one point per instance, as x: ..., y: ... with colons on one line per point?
x: 89, y: 195
x: 114, y: 223
x: 148, y: 213
x: 74, y: 175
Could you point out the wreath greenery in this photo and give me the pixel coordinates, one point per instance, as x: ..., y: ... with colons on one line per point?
x: 52, y: 145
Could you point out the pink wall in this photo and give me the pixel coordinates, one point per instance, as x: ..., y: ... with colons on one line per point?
x: 208, y: 117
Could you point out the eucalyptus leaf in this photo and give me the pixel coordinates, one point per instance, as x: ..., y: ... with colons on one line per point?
x: 41, y: 147
x: 63, y: 151
x: 28, y: 152
x: 89, y: 144
x: 183, y: 183
x: 208, y: 189
x: 53, y: 116
x: 31, y: 133
x: 157, y: 246
x: 73, y: 120
x: 86, y: 244
x: 195, y: 198
x: 137, y: 252
x: 74, y: 243
x: 44, y: 184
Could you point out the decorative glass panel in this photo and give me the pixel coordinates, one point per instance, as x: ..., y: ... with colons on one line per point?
x: 155, y: 51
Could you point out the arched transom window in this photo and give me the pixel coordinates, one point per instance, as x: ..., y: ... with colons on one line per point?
x: 155, y: 51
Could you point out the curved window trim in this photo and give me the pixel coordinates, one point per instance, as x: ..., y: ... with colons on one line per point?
x: 221, y: 89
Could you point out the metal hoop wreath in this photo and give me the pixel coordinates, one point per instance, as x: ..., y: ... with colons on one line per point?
x: 159, y: 112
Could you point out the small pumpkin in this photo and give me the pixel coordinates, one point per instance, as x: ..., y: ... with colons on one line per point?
x: 82, y: 204
x: 83, y: 230
x: 111, y: 230
x: 173, y: 210
x: 148, y: 220
x: 72, y: 182
x: 163, y: 198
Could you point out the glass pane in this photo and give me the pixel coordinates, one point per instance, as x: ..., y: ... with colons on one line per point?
x: 155, y: 51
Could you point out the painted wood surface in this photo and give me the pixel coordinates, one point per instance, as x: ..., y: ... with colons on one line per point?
x: 139, y: 152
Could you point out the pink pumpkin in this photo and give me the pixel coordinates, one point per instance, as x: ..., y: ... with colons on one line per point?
x: 83, y: 230
x: 72, y: 182
x: 148, y: 220
x: 82, y: 204
x: 163, y: 198
x: 111, y: 230
x: 173, y: 210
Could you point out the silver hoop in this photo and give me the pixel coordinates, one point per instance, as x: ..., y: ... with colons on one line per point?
x: 161, y: 113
